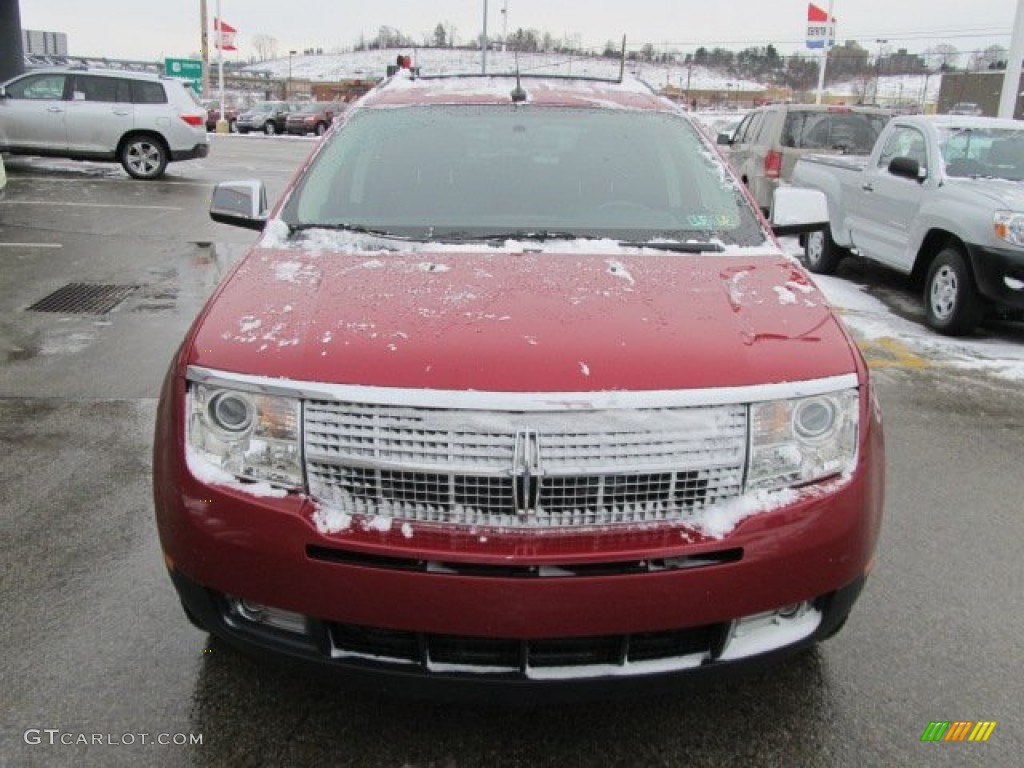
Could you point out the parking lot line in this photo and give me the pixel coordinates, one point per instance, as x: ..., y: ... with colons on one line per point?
x: 91, y: 205
x: 31, y: 245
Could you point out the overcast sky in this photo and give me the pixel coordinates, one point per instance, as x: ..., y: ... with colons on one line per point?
x: 155, y: 29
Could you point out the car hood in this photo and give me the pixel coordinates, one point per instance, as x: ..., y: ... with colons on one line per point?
x: 999, y: 193
x: 521, y: 321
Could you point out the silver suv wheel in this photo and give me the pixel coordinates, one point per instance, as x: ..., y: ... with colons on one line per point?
x: 144, y: 157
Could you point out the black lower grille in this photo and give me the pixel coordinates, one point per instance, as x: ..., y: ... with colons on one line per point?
x: 470, y: 654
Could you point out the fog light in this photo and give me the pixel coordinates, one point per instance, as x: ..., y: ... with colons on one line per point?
x: 258, y: 613
x: 763, y: 632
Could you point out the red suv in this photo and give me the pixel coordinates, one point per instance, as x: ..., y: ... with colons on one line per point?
x: 517, y: 394
x: 314, y: 117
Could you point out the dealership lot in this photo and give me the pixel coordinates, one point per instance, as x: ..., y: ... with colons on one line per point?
x: 95, y: 643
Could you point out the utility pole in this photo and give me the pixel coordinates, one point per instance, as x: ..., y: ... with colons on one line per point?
x: 1011, y: 80
x: 878, y: 69
x: 204, y: 48
x: 829, y: 40
x: 504, y: 27
x: 483, y: 44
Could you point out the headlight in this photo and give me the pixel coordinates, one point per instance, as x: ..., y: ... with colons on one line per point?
x: 252, y: 436
x: 1009, y: 226
x: 799, y: 441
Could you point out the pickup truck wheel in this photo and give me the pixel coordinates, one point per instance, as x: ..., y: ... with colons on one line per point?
x: 270, y: 128
x: 952, y: 304
x: 821, y: 253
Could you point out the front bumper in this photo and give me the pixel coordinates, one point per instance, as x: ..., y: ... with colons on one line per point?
x: 520, y: 670
x: 999, y: 274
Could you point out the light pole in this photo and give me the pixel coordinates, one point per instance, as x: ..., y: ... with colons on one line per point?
x: 288, y: 85
x: 504, y: 26
x: 878, y: 67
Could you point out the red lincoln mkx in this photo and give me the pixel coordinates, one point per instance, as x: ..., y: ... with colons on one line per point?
x: 517, y: 393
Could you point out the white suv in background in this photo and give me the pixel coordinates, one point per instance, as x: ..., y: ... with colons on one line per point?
x: 140, y: 120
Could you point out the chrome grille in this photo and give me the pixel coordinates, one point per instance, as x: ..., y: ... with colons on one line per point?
x: 538, y: 469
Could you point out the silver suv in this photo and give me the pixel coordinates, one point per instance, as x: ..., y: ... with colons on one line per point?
x: 766, y: 145
x: 141, y: 120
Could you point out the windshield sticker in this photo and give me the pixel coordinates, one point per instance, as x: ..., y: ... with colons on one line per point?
x: 713, y: 221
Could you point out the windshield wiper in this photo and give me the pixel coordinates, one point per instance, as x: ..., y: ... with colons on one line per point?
x: 356, y: 228
x: 525, y: 234
x: 676, y: 246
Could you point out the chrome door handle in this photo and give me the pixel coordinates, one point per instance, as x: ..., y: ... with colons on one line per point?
x: 867, y: 187
x: 121, y: 112
x: 54, y: 109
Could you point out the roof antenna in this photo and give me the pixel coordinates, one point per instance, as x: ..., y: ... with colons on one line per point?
x: 518, y: 94
x: 622, y: 61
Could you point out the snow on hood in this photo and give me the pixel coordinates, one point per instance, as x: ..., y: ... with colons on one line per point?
x: 566, y: 316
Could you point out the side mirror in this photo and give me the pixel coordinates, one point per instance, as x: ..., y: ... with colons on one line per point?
x: 240, y: 204
x: 724, y: 138
x: 908, y: 168
x: 797, y: 210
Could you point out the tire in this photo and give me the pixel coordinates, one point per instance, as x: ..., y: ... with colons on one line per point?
x: 952, y: 304
x: 270, y: 128
x: 144, y: 157
x: 321, y: 129
x: 821, y: 254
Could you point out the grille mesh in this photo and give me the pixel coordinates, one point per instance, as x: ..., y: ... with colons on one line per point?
x: 563, y: 469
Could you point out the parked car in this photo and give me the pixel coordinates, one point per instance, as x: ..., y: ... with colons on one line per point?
x: 939, y: 198
x: 769, y: 141
x: 517, y: 392
x: 212, y: 108
x: 314, y: 117
x: 141, y: 120
x: 268, y: 116
x: 966, y: 108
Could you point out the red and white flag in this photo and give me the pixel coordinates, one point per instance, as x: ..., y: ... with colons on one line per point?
x: 224, y: 35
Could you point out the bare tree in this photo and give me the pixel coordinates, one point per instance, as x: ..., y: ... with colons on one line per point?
x: 993, y: 57
x: 266, y: 47
x: 942, y: 57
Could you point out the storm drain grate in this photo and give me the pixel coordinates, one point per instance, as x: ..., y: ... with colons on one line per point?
x: 84, y: 298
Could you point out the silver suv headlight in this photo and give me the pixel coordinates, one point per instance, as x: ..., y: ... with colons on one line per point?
x: 1009, y: 226
x: 252, y: 436
x: 802, y: 440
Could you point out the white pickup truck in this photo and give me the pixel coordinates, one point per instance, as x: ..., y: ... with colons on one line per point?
x: 940, y: 198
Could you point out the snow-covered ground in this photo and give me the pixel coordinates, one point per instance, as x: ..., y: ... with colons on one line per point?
x: 890, y: 340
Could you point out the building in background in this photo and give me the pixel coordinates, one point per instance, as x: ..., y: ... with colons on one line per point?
x: 37, y: 43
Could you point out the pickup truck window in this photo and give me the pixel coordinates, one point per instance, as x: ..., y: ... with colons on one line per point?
x: 468, y: 172
x: 991, y: 153
x: 904, y: 142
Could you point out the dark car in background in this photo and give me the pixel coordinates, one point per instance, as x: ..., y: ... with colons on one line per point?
x: 314, y: 117
x: 212, y: 107
x: 267, y: 116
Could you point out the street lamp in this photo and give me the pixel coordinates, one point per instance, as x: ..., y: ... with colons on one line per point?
x: 288, y: 85
x: 878, y: 67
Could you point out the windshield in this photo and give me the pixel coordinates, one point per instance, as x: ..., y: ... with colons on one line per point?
x: 473, y: 172
x: 308, y: 109
x: 983, y: 152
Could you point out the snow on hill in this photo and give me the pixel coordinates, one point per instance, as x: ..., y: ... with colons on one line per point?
x: 446, y: 61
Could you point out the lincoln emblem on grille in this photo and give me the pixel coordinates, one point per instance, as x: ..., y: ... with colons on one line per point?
x: 526, y: 471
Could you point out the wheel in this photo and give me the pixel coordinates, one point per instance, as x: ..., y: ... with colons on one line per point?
x: 321, y: 129
x: 952, y: 304
x: 144, y: 157
x: 270, y: 127
x: 821, y: 252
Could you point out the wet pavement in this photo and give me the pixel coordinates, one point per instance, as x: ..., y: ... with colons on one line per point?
x: 100, y: 665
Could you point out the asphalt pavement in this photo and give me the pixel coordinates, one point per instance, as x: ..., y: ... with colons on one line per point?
x: 101, y: 668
